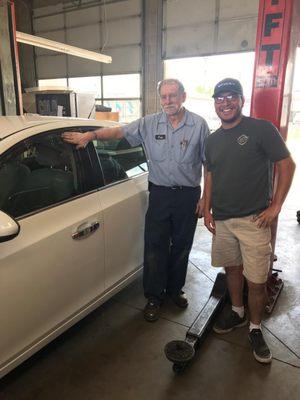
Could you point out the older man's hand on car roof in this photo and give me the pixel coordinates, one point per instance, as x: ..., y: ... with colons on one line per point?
x: 78, y: 139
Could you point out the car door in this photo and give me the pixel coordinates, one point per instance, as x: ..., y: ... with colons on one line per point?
x: 123, y: 201
x: 53, y: 271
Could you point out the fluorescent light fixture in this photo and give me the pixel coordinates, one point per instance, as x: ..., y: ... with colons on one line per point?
x: 61, y: 47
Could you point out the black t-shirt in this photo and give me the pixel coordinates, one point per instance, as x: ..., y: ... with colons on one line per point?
x: 241, y: 162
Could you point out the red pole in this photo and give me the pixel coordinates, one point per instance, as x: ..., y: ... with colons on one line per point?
x: 275, y: 53
x: 276, y: 43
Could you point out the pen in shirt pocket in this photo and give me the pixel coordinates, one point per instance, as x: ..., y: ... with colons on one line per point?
x: 183, y: 144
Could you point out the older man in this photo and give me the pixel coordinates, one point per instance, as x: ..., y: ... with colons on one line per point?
x: 240, y: 157
x: 174, y: 142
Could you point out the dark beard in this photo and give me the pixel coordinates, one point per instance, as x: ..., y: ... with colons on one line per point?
x: 233, y: 119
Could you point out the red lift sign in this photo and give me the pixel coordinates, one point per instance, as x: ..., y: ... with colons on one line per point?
x: 272, y: 56
x: 270, y: 45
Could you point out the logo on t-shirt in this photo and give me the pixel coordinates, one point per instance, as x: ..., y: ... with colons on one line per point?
x: 243, y: 139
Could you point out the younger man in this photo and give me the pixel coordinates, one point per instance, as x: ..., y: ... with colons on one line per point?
x: 239, y: 157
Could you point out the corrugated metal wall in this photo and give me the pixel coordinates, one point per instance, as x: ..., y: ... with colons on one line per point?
x: 206, y: 27
x: 114, y: 28
x: 189, y: 28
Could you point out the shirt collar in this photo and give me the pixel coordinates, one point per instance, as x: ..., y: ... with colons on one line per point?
x: 187, y: 119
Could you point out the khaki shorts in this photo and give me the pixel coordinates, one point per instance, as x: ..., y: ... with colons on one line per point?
x: 239, y: 241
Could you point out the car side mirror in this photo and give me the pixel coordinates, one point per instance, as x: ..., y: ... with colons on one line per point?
x: 9, y: 228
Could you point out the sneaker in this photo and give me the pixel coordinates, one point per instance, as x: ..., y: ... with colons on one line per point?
x: 229, y: 321
x: 260, y: 348
x: 151, y: 310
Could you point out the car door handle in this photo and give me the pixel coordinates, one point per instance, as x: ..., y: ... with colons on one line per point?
x: 86, y: 231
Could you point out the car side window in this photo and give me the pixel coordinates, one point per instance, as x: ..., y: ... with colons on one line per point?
x: 37, y: 173
x: 119, y: 160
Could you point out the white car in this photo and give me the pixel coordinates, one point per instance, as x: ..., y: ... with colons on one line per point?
x: 71, y: 228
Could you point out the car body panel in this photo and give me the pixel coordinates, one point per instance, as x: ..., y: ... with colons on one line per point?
x: 124, y: 205
x: 49, y: 280
x: 37, y: 277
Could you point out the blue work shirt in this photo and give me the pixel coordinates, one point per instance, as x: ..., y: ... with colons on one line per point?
x: 176, y: 155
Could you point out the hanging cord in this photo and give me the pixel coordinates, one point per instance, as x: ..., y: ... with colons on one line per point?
x: 105, y: 27
x: 94, y: 105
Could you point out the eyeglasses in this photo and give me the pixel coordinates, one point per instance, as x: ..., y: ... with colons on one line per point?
x: 229, y: 97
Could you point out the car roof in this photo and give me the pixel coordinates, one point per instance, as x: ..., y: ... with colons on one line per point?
x: 13, y: 124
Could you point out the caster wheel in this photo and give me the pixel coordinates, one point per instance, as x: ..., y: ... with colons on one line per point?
x: 179, y: 351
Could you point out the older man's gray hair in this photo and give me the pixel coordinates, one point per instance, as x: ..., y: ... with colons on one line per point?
x: 170, y: 81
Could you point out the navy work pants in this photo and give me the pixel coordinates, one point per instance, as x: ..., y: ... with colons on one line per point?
x: 169, y: 231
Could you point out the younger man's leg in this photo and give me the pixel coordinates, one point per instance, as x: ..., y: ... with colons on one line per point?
x: 234, y: 317
x: 256, y: 304
x: 256, y: 250
x: 235, y: 284
x: 226, y: 252
x: 256, y: 301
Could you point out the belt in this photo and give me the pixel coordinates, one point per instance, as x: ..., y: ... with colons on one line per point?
x: 174, y: 187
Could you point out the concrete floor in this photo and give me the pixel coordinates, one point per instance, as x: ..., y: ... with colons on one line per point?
x: 115, y: 354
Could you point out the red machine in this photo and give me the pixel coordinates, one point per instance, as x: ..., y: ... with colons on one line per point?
x: 276, y: 44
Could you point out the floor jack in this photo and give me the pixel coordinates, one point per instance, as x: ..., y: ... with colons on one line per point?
x: 181, y: 352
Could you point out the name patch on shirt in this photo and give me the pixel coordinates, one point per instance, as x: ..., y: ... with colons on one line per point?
x: 160, y: 137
